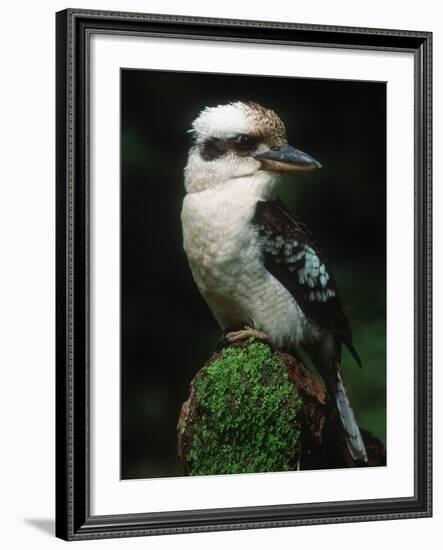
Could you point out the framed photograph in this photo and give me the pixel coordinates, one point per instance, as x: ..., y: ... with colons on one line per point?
x: 243, y: 274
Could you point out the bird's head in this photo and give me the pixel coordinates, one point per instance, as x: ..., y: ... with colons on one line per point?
x: 241, y: 140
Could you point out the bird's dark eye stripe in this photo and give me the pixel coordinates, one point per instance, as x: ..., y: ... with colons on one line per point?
x: 214, y: 148
x: 244, y: 141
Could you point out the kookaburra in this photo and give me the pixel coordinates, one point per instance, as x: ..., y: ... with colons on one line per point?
x: 254, y: 263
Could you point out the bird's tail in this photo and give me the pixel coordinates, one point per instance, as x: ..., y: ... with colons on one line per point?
x: 353, y: 436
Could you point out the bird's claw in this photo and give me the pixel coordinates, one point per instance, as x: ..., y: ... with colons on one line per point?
x: 244, y: 334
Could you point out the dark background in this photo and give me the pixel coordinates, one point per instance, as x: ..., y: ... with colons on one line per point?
x: 168, y: 331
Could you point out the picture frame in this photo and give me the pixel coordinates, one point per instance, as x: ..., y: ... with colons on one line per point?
x: 75, y: 519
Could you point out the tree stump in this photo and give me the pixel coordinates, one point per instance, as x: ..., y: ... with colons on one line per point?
x: 253, y: 409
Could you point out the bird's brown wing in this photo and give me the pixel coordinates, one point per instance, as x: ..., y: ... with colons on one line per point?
x: 293, y: 258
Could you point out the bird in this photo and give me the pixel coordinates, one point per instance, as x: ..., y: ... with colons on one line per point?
x: 255, y: 264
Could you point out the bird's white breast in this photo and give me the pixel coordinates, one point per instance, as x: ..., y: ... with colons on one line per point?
x: 224, y: 253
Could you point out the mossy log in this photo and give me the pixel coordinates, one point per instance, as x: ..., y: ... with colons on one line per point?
x: 253, y: 409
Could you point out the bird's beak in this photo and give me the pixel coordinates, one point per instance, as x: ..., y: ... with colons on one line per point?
x: 286, y: 160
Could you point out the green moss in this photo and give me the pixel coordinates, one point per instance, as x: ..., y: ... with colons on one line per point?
x: 247, y: 418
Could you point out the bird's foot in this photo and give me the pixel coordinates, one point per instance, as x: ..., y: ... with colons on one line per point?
x: 244, y: 334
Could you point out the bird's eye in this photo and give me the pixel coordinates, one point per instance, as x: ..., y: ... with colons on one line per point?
x: 245, y: 142
x: 244, y: 139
